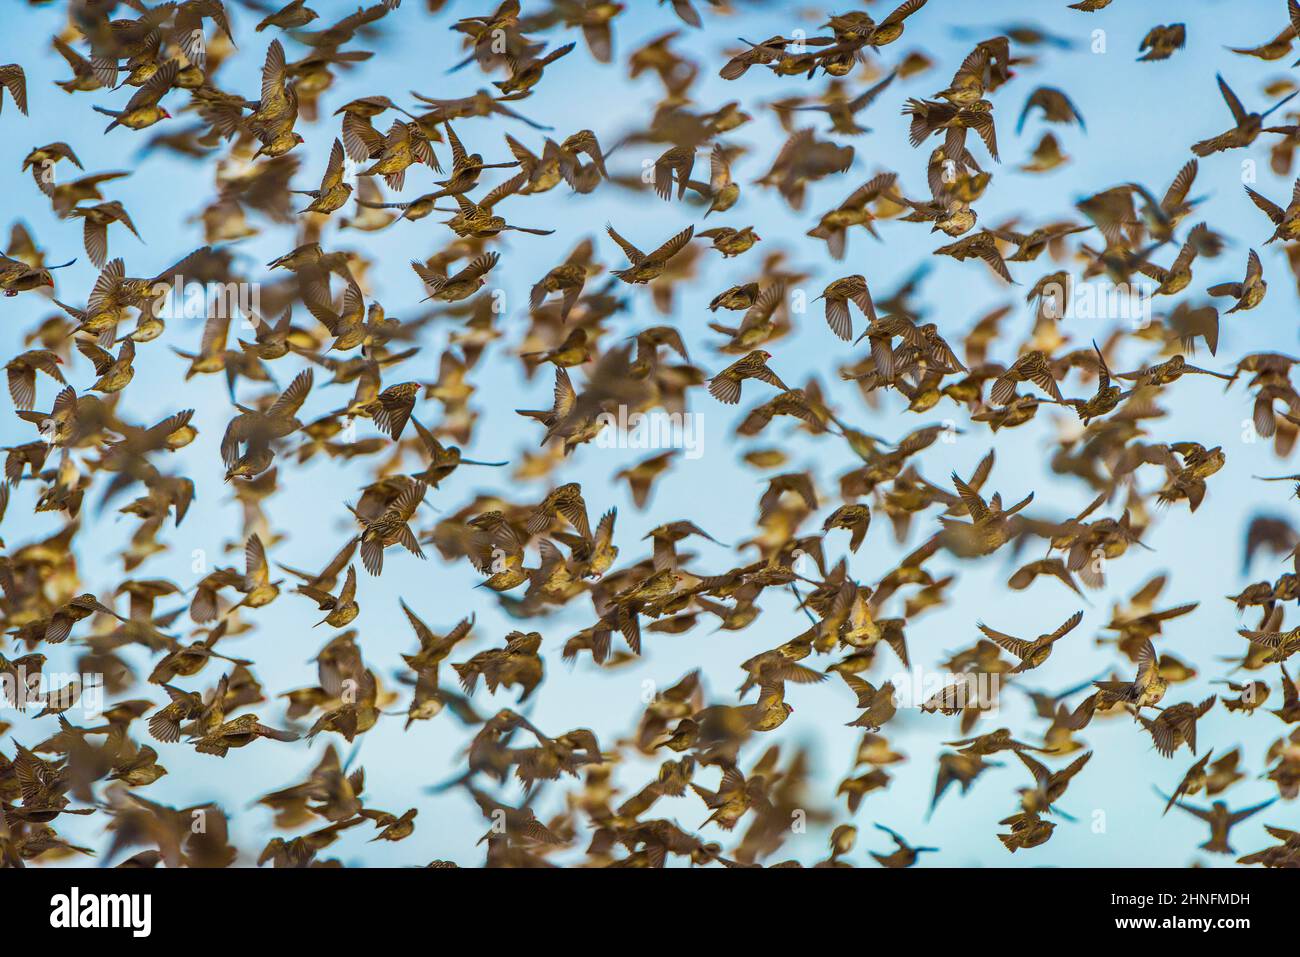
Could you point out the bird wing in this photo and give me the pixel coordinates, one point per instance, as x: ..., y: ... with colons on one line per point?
x: 1239, y: 114
x: 1067, y: 627
x: 1016, y: 646
x: 334, y: 169
x: 15, y: 81
x: 255, y: 566
x: 974, y: 503
x: 634, y: 255
x: 673, y: 246
x: 1246, y: 812
x: 1146, y: 663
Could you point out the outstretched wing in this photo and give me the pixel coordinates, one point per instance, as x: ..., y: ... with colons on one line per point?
x: 1016, y: 646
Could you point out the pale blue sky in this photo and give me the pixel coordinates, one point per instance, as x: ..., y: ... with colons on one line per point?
x: 1141, y: 117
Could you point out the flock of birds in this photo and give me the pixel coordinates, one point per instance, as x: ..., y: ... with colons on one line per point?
x: 159, y: 66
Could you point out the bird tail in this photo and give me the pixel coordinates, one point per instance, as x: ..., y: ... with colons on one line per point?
x: 113, y: 113
x: 468, y: 674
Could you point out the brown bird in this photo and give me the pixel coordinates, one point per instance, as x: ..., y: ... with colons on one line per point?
x: 731, y: 242
x: 1032, y: 367
x: 1161, y: 41
x: 1056, y: 107
x: 568, y: 279
x: 1286, y: 221
x: 460, y: 285
x: 566, y: 502
x: 14, y: 80
x: 1249, y: 293
x: 856, y: 518
x: 1246, y: 128
x: 1027, y: 828
x: 904, y: 856
x: 1193, y: 781
x: 343, y: 609
x: 333, y: 191
x: 143, y: 110
x: 246, y: 445
x: 1031, y: 653
x: 294, y: 14
x: 114, y: 374
x: 1221, y: 821
x: 878, y: 704
x: 391, y: 527
x: 1175, y: 725
x: 725, y: 386
x: 645, y: 267
x: 239, y: 733
x: 59, y: 625
x: 838, y: 295
x: 1144, y: 691
x: 21, y: 372
x: 97, y: 219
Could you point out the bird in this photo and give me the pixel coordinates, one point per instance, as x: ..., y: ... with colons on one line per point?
x: 459, y: 285
x: 334, y: 191
x: 1147, y: 688
x: 1028, y: 829
x: 646, y: 535
x: 143, y: 109
x: 729, y: 241
x: 115, y: 374
x: 1031, y: 653
x: 905, y: 856
x: 1049, y: 786
x: 838, y: 295
x: 1055, y: 106
x: 342, y: 609
x: 246, y: 445
x: 645, y: 267
x: 294, y: 14
x: 97, y: 219
x: 1193, y: 782
x: 1161, y: 41
x: 1175, y: 725
x: 238, y: 733
x: 1221, y: 821
x: 1247, y: 126
x: 878, y: 703
x: 726, y: 385
x: 1286, y: 221
x: 1031, y: 367
x: 14, y: 80
x: 1249, y: 293
x: 856, y: 518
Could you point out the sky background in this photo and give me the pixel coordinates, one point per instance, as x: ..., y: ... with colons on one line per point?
x: 1141, y: 119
